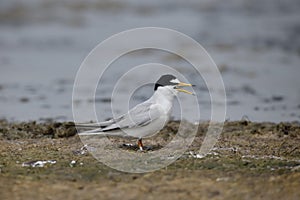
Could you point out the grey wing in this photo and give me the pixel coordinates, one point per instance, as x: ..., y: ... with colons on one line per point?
x: 138, y: 116
x: 95, y: 125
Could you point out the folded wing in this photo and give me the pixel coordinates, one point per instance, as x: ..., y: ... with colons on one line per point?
x: 139, y: 116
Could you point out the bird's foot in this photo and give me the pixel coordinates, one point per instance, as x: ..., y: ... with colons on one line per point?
x: 140, y: 145
x: 147, y: 148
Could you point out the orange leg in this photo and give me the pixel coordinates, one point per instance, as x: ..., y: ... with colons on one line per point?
x: 140, y: 144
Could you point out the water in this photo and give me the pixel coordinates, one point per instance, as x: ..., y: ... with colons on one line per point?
x: 255, y: 44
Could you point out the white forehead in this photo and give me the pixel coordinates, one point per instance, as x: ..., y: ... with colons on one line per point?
x: 175, y: 80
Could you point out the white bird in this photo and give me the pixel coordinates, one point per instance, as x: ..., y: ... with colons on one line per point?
x: 145, y: 119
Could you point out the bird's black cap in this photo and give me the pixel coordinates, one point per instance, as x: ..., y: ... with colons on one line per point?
x: 164, y: 81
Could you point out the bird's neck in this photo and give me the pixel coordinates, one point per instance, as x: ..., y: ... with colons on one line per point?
x: 165, y: 98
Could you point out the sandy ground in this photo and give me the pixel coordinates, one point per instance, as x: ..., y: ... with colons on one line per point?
x: 250, y: 161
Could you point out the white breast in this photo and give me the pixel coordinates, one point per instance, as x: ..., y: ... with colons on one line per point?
x: 162, y: 101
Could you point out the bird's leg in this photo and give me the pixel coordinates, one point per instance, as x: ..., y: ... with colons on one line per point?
x: 140, y: 144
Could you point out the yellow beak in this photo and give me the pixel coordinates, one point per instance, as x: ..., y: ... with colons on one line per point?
x: 184, y: 84
x: 183, y: 90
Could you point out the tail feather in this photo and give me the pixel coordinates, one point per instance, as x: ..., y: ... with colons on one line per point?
x: 87, y: 133
x: 107, y: 128
x: 99, y: 131
x: 95, y: 125
x: 86, y: 126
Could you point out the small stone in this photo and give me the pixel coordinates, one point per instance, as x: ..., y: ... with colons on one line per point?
x: 72, y: 163
x: 277, y: 98
x: 24, y: 99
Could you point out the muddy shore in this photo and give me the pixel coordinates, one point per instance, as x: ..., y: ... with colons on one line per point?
x: 250, y: 161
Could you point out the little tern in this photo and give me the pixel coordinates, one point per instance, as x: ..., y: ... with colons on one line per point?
x: 145, y: 119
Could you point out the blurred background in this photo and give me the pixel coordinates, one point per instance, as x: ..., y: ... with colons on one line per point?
x: 255, y: 44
